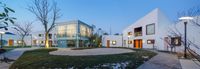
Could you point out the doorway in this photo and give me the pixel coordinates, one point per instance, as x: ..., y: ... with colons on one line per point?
x: 138, y: 43
x: 108, y: 43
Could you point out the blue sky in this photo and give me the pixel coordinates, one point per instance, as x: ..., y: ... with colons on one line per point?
x: 117, y: 14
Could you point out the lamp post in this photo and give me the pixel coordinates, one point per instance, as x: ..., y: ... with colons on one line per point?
x: 185, y: 33
x: 1, y: 32
x: 31, y: 39
x: 128, y: 40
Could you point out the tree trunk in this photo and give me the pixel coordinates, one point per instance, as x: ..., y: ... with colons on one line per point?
x: 46, y: 40
x: 23, y: 42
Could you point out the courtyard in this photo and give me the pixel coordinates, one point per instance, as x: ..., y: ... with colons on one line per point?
x: 40, y: 58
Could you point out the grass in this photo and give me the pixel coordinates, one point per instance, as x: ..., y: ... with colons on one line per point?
x: 40, y: 59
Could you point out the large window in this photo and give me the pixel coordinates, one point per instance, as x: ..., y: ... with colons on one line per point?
x: 61, y: 31
x: 85, y: 31
x: 150, y: 29
x: 71, y: 30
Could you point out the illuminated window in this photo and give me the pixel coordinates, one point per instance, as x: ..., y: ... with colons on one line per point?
x: 151, y: 41
x: 129, y: 33
x: 61, y: 31
x: 130, y: 42
x: 114, y: 42
x: 71, y: 30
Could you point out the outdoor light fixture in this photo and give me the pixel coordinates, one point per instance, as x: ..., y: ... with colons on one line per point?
x: 1, y: 32
x: 128, y: 40
x: 185, y: 25
x: 186, y: 18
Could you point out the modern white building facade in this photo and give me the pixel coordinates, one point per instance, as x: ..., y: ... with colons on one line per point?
x: 148, y: 32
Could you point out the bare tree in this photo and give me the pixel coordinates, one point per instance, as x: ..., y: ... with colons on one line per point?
x: 23, y: 30
x: 192, y: 12
x: 47, y: 14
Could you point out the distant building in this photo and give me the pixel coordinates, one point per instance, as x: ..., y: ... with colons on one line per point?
x: 73, y: 34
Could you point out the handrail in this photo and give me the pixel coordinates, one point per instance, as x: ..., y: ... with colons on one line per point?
x: 194, y: 54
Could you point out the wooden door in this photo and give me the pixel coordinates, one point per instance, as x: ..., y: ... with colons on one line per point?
x: 138, y: 43
x: 10, y: 42
x: 50, y: 43
x: 108, y: 43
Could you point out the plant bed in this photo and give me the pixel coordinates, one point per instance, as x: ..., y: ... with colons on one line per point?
x: 83, y: 48
x: 2, y: 50
x: 17, y: 46
x: 40, y: 59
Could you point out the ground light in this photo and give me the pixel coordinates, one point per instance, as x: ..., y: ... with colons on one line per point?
x: 186, y: 19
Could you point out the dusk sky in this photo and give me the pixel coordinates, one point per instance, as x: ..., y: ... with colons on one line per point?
x: 104, y: 13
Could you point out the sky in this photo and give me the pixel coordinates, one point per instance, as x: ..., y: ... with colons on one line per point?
x: 106, y: 14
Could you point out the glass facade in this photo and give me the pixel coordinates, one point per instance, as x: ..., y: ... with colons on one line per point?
x: 72, y: 33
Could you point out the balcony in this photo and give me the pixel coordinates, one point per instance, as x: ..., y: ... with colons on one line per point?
x: 138, y: 31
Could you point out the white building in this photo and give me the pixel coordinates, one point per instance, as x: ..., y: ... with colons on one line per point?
x: 143, y: 33
x: 34, y: 38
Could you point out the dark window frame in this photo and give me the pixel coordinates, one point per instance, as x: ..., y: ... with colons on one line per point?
x: 154, y: 31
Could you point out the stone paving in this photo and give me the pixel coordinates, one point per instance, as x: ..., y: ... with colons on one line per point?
x: 85, y: 52
x: 162, y: 61
x: 13, y: 54
x: 189, y: 64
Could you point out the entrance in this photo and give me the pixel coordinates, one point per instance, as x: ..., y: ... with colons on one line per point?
x: 10, y: 42
x: 108, y: 43
x: 138, y: 43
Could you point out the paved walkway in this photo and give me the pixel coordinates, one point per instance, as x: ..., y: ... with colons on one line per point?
x: 189, y: 64
x: 13, y: 54
x: 95, y: 51
x: 162, y: 61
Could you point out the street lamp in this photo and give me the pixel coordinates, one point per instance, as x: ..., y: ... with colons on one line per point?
x: 1, y: 32
x: 128, y: 40
x: 185, y: 37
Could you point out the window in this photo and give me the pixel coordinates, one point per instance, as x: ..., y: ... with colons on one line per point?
x: 40, y: 35
x: 138, y: 31
x: 130, y: 41
x: 42, y: 42
x: 129, y: 33
x: 50, y: 36
x: 114, y: 42
x: 71, y: 30
x: 150, y: 41
x: 150, y: 29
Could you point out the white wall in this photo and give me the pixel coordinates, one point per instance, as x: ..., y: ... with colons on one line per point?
x: 117, y: 38
x: 192, y: 35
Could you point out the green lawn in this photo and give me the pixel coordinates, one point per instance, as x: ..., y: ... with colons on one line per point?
x: 40, y: 59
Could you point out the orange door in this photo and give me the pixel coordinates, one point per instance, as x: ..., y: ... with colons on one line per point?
x: 138, y: 43
x: 108, y: 43
x: 10, y: 42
